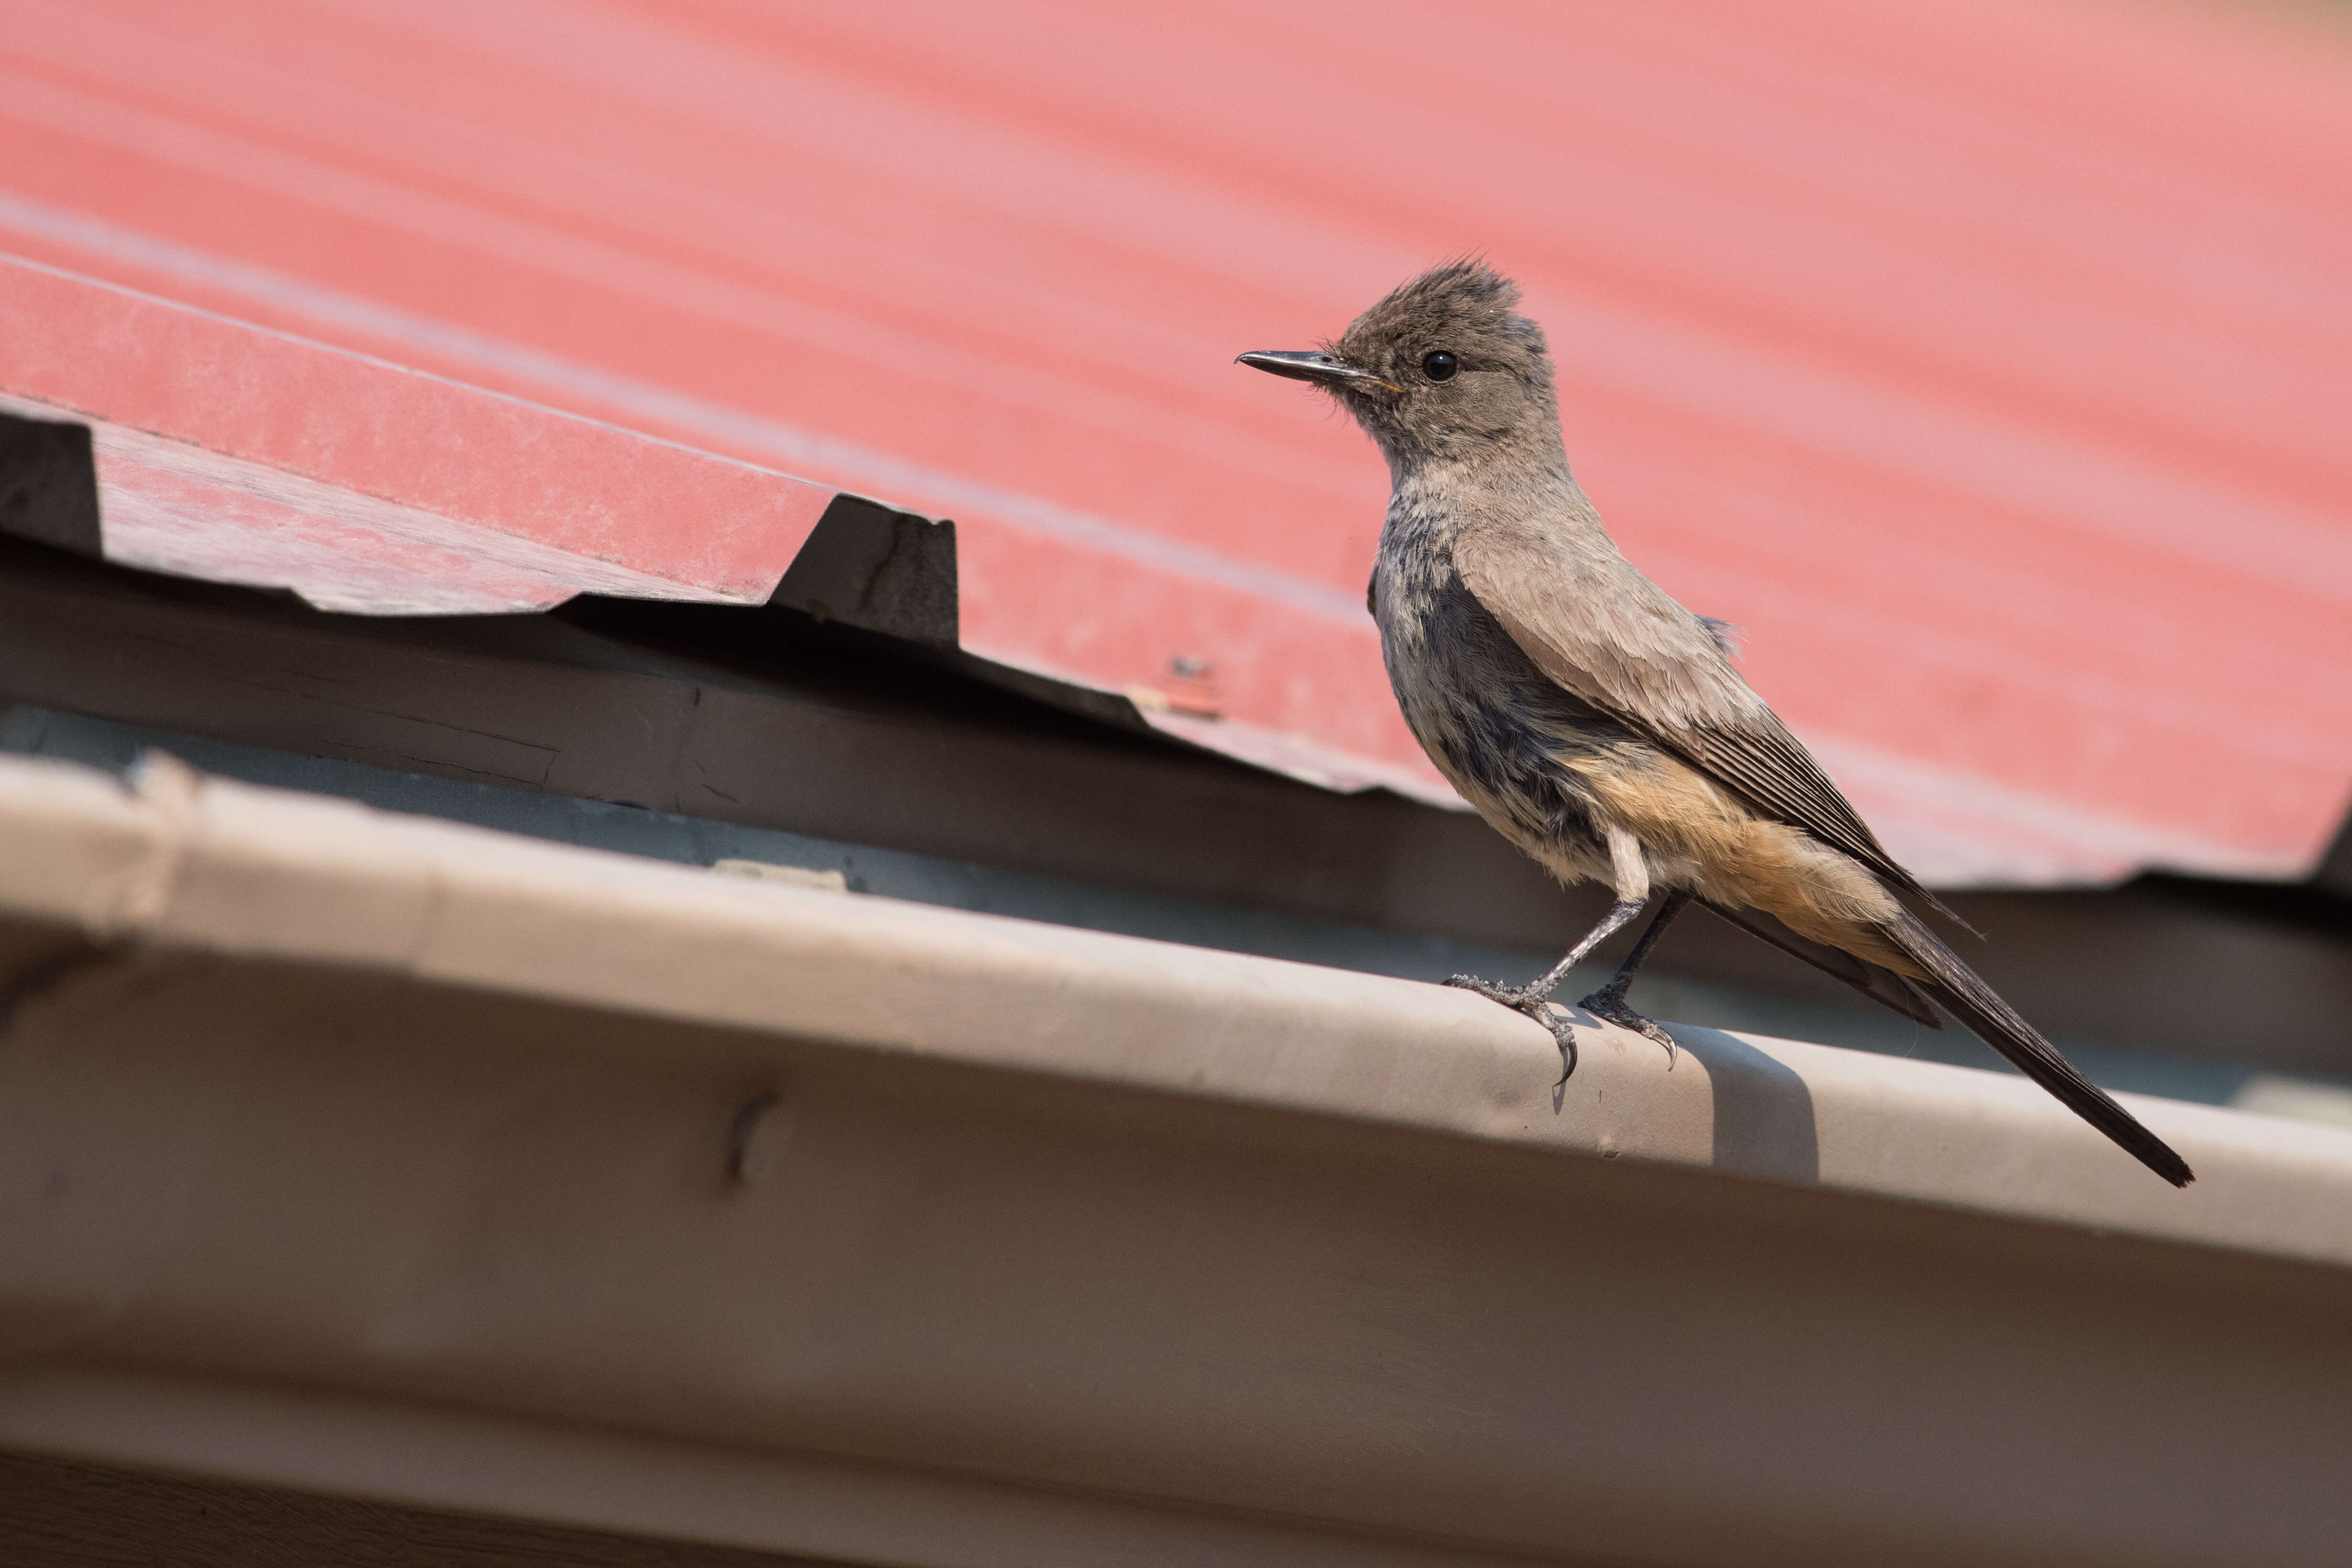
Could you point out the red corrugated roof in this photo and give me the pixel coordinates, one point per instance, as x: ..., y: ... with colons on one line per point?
x: 230, y: 453
x: 1988, y: 363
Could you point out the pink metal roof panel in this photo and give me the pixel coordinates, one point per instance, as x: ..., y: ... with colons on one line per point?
x: 214, y: 435
x: 1987, y: 363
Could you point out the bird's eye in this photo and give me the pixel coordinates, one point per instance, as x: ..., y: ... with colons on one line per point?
x: 1439, y: 365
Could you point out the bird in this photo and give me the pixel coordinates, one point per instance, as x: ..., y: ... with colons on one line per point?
x: 1596, y: 723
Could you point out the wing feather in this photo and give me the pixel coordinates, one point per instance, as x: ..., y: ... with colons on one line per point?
x: 1615, y: 640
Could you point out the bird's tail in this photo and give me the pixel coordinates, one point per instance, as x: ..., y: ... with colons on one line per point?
x: 1875, y: 981
x: 1959, y: 991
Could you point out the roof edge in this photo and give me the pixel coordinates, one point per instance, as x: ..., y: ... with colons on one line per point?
x: 181, y: 861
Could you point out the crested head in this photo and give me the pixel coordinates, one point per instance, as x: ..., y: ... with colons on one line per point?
x: 1458, y: 370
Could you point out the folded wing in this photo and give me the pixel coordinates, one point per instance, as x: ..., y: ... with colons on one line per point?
x: 1615, y: 640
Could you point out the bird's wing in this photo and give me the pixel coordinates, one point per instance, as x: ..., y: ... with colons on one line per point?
x: 1615, y: 639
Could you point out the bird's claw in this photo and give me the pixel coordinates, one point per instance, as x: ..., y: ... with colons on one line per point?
x: 1564, y: 1035
x: 1611, y: 1006
x: 1534, y: 1004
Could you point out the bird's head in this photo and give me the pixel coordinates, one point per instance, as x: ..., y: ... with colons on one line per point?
x: 1442, y: 368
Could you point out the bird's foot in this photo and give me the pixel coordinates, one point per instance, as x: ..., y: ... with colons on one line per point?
x: 1609, y: 1002
x: 1535, y: 1004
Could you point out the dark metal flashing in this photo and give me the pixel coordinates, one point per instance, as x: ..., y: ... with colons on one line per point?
x: 878, y: 567
x: 49, y: 484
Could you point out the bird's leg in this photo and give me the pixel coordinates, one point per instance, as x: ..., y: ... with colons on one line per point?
x: 1531, y: 998
x: 1537, y: 992
x: 1609, y: 1002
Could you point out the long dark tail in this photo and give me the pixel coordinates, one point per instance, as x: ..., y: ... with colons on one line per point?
x: 1960, y: 992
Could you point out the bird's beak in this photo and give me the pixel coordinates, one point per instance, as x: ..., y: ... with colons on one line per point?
x: 1312, y: 365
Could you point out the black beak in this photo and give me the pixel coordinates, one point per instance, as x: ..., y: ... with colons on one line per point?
x: 1312, y: 365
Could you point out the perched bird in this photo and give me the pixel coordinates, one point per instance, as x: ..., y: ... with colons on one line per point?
x: 1592, y: 720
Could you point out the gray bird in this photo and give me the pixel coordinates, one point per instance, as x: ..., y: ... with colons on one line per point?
x: 1592, y: 720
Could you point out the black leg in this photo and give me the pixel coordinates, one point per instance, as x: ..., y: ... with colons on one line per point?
x: 1609, y: 1002
x: 1675, y: 905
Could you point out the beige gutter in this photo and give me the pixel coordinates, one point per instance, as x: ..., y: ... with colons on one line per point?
x: 401, y: 1116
